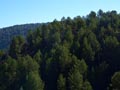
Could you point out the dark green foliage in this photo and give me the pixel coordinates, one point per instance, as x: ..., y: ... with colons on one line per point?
x: 87, y: 86
x: 72, y: 54
x: 116, y: 81
x: 8, y: 74
x: 38, y: 57
x: 61, y: 83
x: 7, y: 34
x: 75, y: 80
x: 16, y: 46
x: 33, y: 82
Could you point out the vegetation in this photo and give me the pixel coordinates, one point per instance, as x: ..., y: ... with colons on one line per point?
x: 72, y: 54
x: 7, y: 34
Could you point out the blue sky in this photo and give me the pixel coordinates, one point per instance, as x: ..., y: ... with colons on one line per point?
x: 14, y: 12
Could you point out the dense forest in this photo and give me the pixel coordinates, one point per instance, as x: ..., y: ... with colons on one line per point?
x: 72, y: 54
x: 6, y: 34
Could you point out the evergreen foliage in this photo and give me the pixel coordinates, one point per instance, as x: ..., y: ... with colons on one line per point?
x: 72, y: 54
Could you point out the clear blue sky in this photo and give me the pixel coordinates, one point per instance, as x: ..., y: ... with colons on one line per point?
x: 14, y: 12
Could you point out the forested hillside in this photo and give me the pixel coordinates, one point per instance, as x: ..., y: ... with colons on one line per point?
x: 82, y: 53
x: 6, y: 34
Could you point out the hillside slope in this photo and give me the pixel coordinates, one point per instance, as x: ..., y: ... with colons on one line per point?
x: 82, y: 53
x: 6, y: 34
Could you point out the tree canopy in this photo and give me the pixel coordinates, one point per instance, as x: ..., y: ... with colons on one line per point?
x: 72, y: 54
